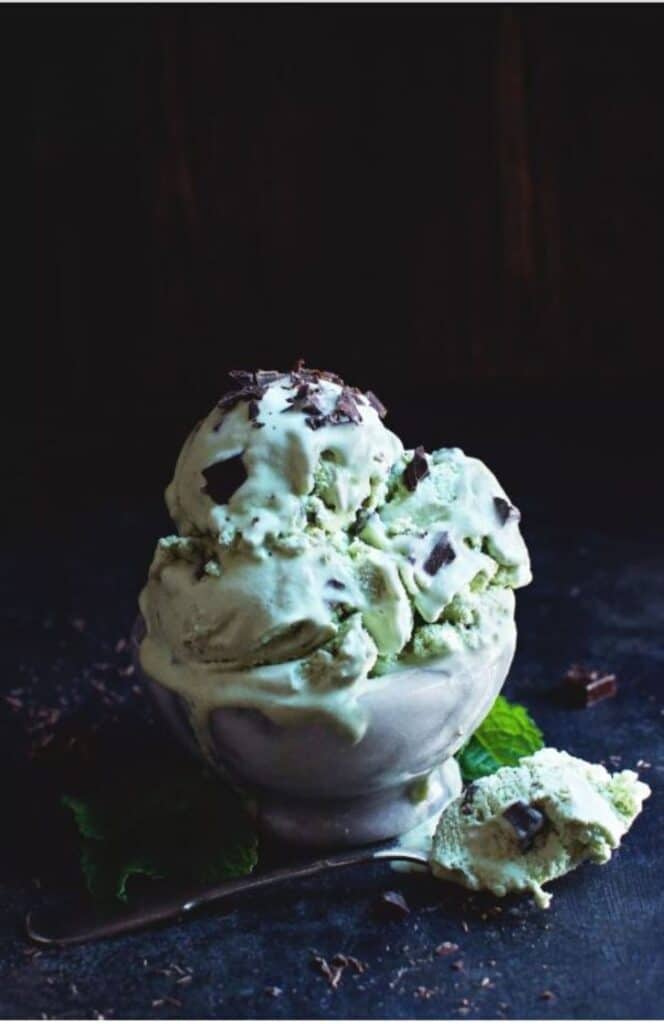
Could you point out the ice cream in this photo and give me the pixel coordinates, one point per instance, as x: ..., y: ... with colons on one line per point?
x: 520, y: 828
x: 315, y: 555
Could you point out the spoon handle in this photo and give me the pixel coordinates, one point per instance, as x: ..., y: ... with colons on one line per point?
x: 79, y: 921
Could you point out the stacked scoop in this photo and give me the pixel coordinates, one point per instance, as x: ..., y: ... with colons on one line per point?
x: 314, y: 554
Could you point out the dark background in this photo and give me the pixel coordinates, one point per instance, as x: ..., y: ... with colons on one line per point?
x: 457, y: 206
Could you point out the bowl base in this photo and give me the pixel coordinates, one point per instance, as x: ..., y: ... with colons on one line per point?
x: 364, y: 819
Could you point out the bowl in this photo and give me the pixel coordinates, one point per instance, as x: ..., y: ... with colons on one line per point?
x: 314, y: 786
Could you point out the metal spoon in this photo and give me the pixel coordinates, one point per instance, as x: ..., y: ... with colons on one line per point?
x: 81, y: 922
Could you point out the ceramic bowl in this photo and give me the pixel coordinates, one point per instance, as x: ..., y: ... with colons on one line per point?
x: 314, y: 786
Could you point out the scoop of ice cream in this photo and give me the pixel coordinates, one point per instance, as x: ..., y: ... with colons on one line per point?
x: 279, y: 452
x: 520, y: 828
x: 313, y: 554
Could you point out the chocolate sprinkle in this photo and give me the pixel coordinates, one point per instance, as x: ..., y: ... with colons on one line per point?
x: 375, y: 401
x: 585, y: 687
x: 417, y: 469
x: 505, y: 511
x: 526, y: 821
x: 442, y: 553
x: 222, y: 479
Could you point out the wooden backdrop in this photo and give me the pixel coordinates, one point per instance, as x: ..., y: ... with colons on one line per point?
x: 453, y: 202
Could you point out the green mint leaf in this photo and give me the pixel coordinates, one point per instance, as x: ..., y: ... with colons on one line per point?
x: 507, y: 734
x: 186, y: 826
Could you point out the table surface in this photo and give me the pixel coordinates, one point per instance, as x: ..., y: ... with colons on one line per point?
x: 597, y: 953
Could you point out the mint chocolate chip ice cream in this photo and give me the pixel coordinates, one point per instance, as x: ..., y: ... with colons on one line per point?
x: 314, y: 555
x: 521, y: 827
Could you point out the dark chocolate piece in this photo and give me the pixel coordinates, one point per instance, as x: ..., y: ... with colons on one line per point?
x: 266, y: 377
x: 337, y: 584
x: 468, y: 795
x: 362, y: 517
x: 505, y: 511
x: 305, y: 400
x: 392, y: 906
x: 527, y: 822
x: 222, y: 479
x: 417, y: 469
x: 375, y: 401
x: 244, y: 393
x: 243, y: 377
x: 442, y: 553
x: 585, y: 687
x: 345, y: 409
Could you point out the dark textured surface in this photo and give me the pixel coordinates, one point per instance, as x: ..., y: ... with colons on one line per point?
x: 597, y: 598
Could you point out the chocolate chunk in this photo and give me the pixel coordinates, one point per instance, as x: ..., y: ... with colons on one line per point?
x: 526, y: 821
x: 362, y: 517
x: 305, y: 400
x: 375, y: 401
x: 468, y: 795
x: 505, y: 511
x: 391, y: 906
x: 585, y: 686
x: 417, y: 469
x: 345, y: 409
x: 222, y: 479
x: 337, y: 584
x: 246, y: 386
x: 243, y: 377
x: 266, y: 377
x: 442, y: 553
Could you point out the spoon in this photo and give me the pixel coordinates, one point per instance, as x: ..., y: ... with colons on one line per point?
x: 80, y: 921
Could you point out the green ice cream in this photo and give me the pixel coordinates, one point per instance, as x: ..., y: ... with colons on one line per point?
x: 314, y: 554
x: 518, y: 829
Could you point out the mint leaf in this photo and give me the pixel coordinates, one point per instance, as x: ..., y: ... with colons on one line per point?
x: 188, y: 827
x: 507, y: 734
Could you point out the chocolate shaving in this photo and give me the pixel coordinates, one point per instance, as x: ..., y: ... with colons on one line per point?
x: 266, y: 377
x: 345, y: 409
x: 417, y: 469
x: 305, y: 400
x: 375, y: 401
x: 526, y: 821
x: 468, y: 795
x: 333, y: 970
x: 442, y: 553
x: 585, y: 687
x: 243, y: 377
x: 222, y: 479
x: 247, y: 387
x: 505, y: 511
x: 392, y: 906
